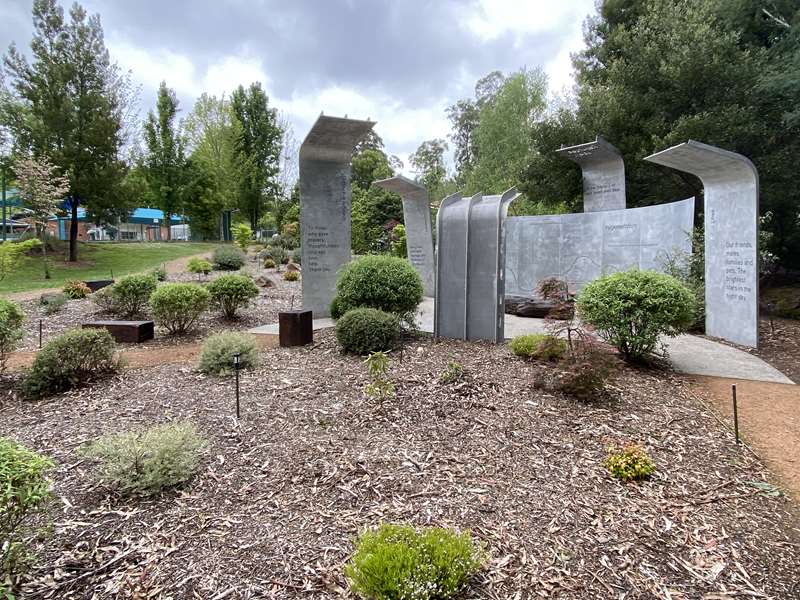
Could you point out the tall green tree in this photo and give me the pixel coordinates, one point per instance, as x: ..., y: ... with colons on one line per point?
x: 68, y: 102
x: 372, y: 206
x: 428, y: 163
x: 165, y: 158
x: 258, y: 150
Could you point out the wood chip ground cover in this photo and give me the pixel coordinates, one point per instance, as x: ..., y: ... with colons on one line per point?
x: 313, y: 460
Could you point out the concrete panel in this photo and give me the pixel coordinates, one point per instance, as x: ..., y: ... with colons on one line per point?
x: 730, y: 183
x: 419, y: 235
x: 603, y: 174
x: 579, y: 247
x: 325, y: 206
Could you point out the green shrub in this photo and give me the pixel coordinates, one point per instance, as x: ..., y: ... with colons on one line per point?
x: 198, y: 266
x: 70, y: 360
x: 146, y: 462
x: 380, y: 386
x: 276, y: 253
x: 76, y: 290
x: 367, y: 330
x: 24, y: 490
x: 159, y: 273
x: 291, y: 275
x: 216, y: 357
x: 131, y: 294
x: 538, y: 345
x: 269, y: 263
x: 228, y: 258
x: 11, y: 319
x: 629, y: 462
x: 231, y: 292
x: 453, y: 373
x: 297, y: 256
x: 242, y: 234
x: 104, y: 299
x: 632, y: 309
x: 52, y: 303
x: 386, y: 283
x: 396, y: 562
x: 176, y: 306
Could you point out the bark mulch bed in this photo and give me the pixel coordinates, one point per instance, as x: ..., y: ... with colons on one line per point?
x: 274, y: 510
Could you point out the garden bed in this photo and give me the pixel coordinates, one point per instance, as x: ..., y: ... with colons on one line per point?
x: 313, y: 460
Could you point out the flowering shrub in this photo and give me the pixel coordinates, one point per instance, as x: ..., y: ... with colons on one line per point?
x: 629, y: 462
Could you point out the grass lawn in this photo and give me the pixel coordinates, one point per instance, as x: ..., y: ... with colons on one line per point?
x: 98, y: 261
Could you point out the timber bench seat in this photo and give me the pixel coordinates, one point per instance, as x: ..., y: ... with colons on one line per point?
x: 125, y: 331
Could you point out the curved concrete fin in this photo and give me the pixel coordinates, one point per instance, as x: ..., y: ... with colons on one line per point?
x: 603, y: 174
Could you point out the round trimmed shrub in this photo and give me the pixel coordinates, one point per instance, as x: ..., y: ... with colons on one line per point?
x: 387, y: 283
x: 632, y: 309
x: 291, y: 275
x: 176, y: 306
x: 76, y: 290
x: 131, y: 293
x: 216, y: 357
x: 228, y: 258
x: 70, y: 360
x: 269, y: 263
x: 11, y: 319
x: 231, y: 292
x: 366, y: 330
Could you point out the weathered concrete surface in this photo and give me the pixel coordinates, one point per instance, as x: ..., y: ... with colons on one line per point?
x: 580, y: 247
x: 325, y: 206
x: 730, y: 183
x: 603, y: 174
x: 419, y: 234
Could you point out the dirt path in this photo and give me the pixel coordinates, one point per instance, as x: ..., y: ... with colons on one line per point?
x: 769, y: 421
x: 177, y: 265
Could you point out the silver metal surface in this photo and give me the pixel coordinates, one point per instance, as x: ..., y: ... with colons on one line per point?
x: 603, y: 174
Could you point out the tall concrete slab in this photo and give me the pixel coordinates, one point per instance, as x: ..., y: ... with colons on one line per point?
x: 419, y: 234
x: 603, y: 174
x: 325, y: 206
x: 580, y: 247
x: 730, y: 184
x: 470, y: 266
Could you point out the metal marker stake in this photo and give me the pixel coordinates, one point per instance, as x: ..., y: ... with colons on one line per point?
x: 236, y: 366
x: 735, y: 414
x: 40, y: 334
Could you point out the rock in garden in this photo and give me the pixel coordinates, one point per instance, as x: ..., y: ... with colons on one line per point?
x: 292, y: 267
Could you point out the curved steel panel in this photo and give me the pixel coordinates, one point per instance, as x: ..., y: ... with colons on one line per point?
x: 603, y: 172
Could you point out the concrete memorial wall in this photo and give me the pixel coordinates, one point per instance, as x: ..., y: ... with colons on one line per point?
x: 730, y: 184
x: 325, y: 206
x: 419, y: 234
x: 580, y: 247
x: 603, y: 172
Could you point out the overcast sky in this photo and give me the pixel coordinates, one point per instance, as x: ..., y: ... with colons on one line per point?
x: 397, y: 62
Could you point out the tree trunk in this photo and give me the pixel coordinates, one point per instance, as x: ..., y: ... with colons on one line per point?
x: 43, y: 236
x: 73, y: 233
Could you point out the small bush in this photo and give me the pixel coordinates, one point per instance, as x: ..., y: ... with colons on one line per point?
x: 198, y: 266
x: 11, y: 319
x: 131, y: 294
x: 104, y: 299
x: 52, y: 303
x: 70, y: 360
x: 453, y: 373
x: 159, y: 273
x: 231, y: 292
x: 176, y: 306
x: 216, y: 357
x: 629, y: 462
x: 24, y: 489
x: 380, y: 386
x: 291, y: 275
x: 228, y: 258
x: 632, y: 309
x: 242, y: 234
x: 269, y: 263
x: 76, y: 290
x: 397, y: 561
x: 585, y: 379
x: 385, y: 283
x: 144, y: 463
x: 276, y: 253
x: 367, y: 330
x: 297, y: 256
x: 538, y: 345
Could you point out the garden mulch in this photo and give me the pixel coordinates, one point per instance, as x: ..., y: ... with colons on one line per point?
x: 282, y: 492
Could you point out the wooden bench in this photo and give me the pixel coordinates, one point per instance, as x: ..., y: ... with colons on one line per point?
x: 98, y: 284
x: 126, y: 331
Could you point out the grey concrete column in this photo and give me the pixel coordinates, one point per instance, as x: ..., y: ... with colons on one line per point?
x: 325, y: 227
x: 603, y: 174
x: 730, y: 184
x: 417, y: 217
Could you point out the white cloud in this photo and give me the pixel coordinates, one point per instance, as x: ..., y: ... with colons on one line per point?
x: 491, y: 19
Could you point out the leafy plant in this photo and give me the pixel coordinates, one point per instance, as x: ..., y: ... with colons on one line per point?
x: 198, y: 266
x: 242, y: 234
x: 228, y: 258
x: 297, y: 256
x: 104, y: 299
x: 176, y: 306
x: 131, y: 294
x: 269, y: 263
x: 629, y: 462
x: 146, y: 462
x: 70, y: 360
x: 276, y: 253
x: 538, y: 345
x: 216, y: 356
x: 52, y: 303
x: 291, y: 275
x: 11, y: 319
x: 380, y: 387
x: 24, y: 490
x: 159, y: 273
x: 398, y: 241
x: 76, y: 290
x: 632, y: 309
x: 231, y: 292
x: 453, y: 373
x: 689, y: 269
x: 366, y: 330
x: 11, y: 254
x: 396, y: 562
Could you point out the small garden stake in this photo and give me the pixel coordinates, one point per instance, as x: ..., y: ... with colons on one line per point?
x: 735, y: 414
x: 236, y: 367
x: 40, y: 334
